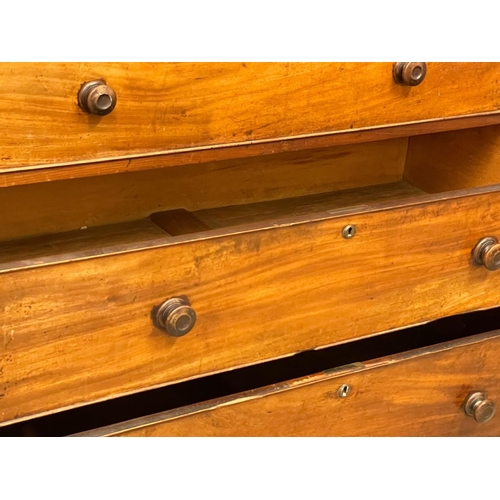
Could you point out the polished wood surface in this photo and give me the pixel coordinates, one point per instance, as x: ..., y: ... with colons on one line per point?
x: 167, y: 107
x: 180, y: 226
x: 454, y: 160
x: 80, y: 332
x: 273, y: 211
x: 419, y: 393
x: 164, y: 227
x: 61, y: 206
x: 74, y: 245
x: 180, y: 221
x: 32, y: 175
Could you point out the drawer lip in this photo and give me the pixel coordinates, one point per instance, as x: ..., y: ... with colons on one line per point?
x: 165, y: 107
x: 371, y: 133
x: 101, y: 309
x: 326, y: 375
x: 32, y: 174
x: 212, y: 234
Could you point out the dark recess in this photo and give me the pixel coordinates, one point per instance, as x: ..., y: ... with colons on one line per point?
x: 215, y: 386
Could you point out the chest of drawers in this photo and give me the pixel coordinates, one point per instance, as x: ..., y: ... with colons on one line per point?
x: 167, y: 224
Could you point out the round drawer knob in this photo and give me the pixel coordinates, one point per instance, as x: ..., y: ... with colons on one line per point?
x: 409, y: 73
x: 479, y: 407
x: 97, y: 98
x: 175, y: 316
x: 487, y: 253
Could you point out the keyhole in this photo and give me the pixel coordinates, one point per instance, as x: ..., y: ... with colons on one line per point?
x: 343, y: 391
x: 349, y: 231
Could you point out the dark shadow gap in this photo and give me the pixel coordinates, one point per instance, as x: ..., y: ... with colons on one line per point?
x: 231, y: 382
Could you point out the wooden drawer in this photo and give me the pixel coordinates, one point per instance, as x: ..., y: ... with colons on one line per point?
x: 167, y: 107
x: 417, y: 393
x: 76, y: 314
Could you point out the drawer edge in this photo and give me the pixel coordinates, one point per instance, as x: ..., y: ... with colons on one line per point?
x: 267, y: 391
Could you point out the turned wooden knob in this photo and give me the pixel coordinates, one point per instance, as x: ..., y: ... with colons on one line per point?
x: 175, y: 316
x: 97, y: 98
x: 480, y: 407
x: 409, y: 73
x: 487, y: 253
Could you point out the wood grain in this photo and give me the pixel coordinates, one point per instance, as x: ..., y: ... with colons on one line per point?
x: 273, y: 211
x: 68, y: 205
x: 163, y: 107
x: 454, y: 160
x: 76, y: 170
x: 80, y: 332
x: 177, y: 222
x: 179, y: 226
x: 77, y: 244
x: 419, y: 393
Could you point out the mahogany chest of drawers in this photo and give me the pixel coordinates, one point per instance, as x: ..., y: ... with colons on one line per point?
x: 250, y: 249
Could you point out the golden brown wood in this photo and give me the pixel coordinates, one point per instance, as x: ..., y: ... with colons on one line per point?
x: 78, y: 244
x: 171, y: 106
x: 33, y: 175
x: 306, y: 205
x: 177, y: 222
x: 25, y: 175
x: 68, y: 205
x: 420, y: 393
x: 454, y: 160
x: 171, y: 227
x: 79, y: 332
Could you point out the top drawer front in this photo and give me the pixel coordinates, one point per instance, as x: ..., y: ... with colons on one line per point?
x: 171, y: 106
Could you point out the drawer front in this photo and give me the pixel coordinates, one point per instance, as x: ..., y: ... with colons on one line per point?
x: 419, y: 393
x: 172, y: 106
x: 82, y: 331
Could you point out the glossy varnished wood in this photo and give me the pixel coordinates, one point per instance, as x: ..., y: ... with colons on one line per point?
x: 180, y: 226
x: 61, y: 206
x: 273, y: 211
x: 419, y: 393
x: 79, y: 332
x: 78, y: 244
x: 179, y: 221
x: 38, y: 174
x: 164, y: 107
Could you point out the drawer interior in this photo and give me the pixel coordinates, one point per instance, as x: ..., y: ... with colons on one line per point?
x: 82, y: 218
x: 267, y: 374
